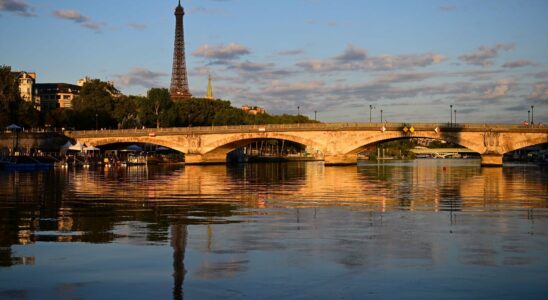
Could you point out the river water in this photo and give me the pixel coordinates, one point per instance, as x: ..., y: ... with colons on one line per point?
x: 403, y: 229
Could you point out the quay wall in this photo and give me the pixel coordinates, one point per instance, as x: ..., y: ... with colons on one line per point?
x: 32, y: 141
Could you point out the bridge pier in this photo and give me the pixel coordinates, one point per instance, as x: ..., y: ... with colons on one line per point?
x: 491, y: 160
x: 200, y: 159
x: 340, y: 160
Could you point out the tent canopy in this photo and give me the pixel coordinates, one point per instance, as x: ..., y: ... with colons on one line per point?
x: 77, y: 147
x: 14, y: 127
x: 91, y: 148
x: 134, y: 148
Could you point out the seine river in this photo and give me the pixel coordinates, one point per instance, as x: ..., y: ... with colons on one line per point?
x: 416, y: 230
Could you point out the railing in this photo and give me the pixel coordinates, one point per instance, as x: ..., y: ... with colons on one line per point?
x: 444, y: 127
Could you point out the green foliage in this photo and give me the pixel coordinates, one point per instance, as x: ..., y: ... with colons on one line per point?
x: 101, y: 105
x: 59, y: 118
x: 126, y: 112
x: 94, y: 107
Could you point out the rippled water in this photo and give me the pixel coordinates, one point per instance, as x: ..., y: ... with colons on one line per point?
x: 416, y: 229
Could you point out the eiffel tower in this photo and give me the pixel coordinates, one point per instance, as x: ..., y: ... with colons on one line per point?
x: 179, y: 81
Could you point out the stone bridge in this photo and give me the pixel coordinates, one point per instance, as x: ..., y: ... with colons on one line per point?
x: 337, y: 143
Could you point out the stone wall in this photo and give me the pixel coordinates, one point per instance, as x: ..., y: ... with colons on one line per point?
x: 32, y: 141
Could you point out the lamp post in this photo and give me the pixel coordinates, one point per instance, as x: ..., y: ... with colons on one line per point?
x: 529, y: 117
x: 96, y: 122
x: 455, y: 111
x: 451, y: 112
x: 315, y: 115
x: 370, y: 109
x: 381, y: 116
x: 532, y: 115
x: 298, y: 110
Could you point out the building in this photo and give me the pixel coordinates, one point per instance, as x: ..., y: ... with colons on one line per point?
x: 56, y: 95
x: 83, y: 81
x: 26, y: 84
x: 253, y: 110
x: 179, y: 81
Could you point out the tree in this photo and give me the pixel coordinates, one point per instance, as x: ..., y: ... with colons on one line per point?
x: 10, y: 97
x: 13, y: 109
x: 95, y: 104
x: 160, y: 100
x: 125, y: 112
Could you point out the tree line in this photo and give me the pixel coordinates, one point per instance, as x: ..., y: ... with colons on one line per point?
x: 100, y: 105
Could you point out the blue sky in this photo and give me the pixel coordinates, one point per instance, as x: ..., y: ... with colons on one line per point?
x: 412, y: 59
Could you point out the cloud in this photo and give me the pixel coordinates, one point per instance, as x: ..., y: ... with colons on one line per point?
x: 291, y: 52
x: 541, y: 75
x: 498, y: 90
x: 278, y: 88
x: 356, y: 60
x: 140, y: 77
x: 206, y: 10
x: 404, y: 77
x: 137, y: 26
x: 77, y: 17
x: 485, y: 54
x: 19, y: 7
x: 351, y: 54
x: 221, y: 52
x: 540, y: 91
x: 517, y: 64
x: 248, y: 66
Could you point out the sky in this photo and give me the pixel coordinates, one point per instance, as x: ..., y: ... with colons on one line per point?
x: 410, y: 59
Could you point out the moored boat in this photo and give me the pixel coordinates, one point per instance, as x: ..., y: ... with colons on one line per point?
x: 25, y: 163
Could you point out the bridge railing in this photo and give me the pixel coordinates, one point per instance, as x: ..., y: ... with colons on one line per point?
x: 304, y: 127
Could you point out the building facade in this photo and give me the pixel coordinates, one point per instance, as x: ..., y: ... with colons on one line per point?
x: 56, y: 95
x: 253, y: 110
x: 26, y: 80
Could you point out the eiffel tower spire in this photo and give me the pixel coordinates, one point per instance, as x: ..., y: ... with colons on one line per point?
x: 179, y: 81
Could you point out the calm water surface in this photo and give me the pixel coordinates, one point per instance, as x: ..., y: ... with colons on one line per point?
x: 418, y: 229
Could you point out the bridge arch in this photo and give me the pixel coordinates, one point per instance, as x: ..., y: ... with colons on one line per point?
x: 527, y: 141
x: 225, y: 145
x: 452, y: 137
x: 98, y: 142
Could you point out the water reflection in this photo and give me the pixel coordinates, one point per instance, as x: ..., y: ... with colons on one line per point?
x: 221, y: 222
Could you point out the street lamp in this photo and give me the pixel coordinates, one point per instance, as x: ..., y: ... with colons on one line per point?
x: 381, y: 115
x: 528, y: 116
x: 455, y: 111
x: 451, y: 112
x: 96, y: 121
x: 315, y: 115
x: 370, y: 109
x: 532, y: 115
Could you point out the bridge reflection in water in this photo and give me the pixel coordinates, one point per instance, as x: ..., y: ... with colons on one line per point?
x: 217, y: 219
